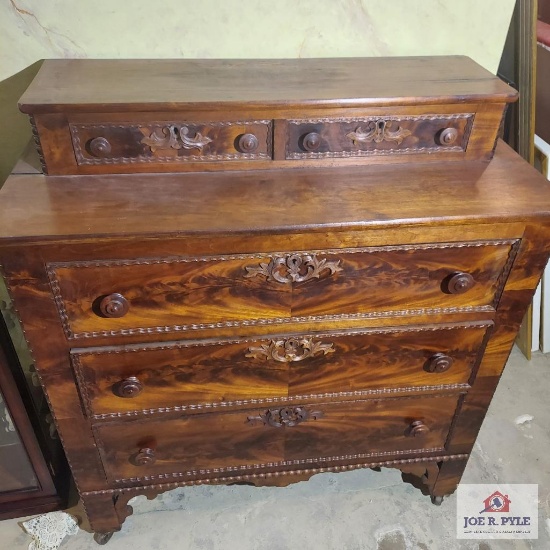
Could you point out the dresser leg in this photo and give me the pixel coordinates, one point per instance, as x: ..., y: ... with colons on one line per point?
x: 103, y: 538
x: 106, y: 513
x: 447, y: 480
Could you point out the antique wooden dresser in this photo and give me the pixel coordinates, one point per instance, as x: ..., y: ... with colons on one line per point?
x: 256, y: 271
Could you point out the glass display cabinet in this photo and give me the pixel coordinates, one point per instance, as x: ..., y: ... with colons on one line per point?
x: 33, y: 472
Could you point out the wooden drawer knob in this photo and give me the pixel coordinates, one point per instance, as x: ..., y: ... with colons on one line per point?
x: 248, y: 143
x: 114, y: 305
x: 129, y: 387
x: 417, y: 429
x: 439, y: 362
x: 144, y: 457
x: 459, y: 283
x: 311, y: 141
x: 99, y: 147
x: 448, y: 136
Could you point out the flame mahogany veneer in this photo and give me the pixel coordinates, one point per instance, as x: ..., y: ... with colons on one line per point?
x: 266, y: 323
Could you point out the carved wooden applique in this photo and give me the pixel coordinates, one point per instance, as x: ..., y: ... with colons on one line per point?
x: 287, y: 416
x: 175, y: 137
x: 292, y: 349
x: 295, y: 268
x: 379, y: 131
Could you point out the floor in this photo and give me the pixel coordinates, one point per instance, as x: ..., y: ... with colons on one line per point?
x: 359, y: 510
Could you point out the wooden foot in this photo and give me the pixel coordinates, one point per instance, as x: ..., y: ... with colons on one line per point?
x: 106, y: 512
x: 437, y: 500
x: 103, y: 538
x: 421, y: 475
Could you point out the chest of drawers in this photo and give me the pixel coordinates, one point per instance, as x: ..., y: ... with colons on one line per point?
x: 263, y: 326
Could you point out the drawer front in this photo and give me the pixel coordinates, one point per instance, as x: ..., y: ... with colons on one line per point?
x: 212, y: 376
x: 207, y: 445
x: 107, y: 298
x: 171, y: 142
x: 382, y: 135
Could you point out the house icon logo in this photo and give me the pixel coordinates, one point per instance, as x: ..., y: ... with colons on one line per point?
x: 497, y: 502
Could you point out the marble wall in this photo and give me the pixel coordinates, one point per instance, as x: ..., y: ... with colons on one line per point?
x: 32, y: 29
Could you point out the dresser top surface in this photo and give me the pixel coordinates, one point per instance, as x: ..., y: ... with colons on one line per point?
x: 506, y: 189
x: 167, y: 85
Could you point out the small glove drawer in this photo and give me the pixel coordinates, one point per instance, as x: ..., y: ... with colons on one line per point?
x: 383, y: 135
x: 170, y: 142
x: 194, y: 115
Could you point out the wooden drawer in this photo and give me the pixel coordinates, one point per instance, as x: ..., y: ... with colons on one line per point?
x: 381, y: 135
x: 193, y: 115
x: 170, y: 142
x: 207, y: 445
x: 209, y: 376
x: 113, y: 297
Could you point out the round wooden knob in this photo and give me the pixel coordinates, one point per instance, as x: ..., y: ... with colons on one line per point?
x: 114, y: 305
x: 99, y: 147
x: 459, y: 283
x: 311, y: 141
x: 144, y: 457
x: 418, y: 429
x: 248, y: 143
x: 129, y: 387
x: 448, y: 136
x: 439, y: 362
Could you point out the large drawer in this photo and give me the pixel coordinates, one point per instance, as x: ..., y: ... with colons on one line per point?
x: 113, y: 297
x: 208, y: 445
x: 212, y: 376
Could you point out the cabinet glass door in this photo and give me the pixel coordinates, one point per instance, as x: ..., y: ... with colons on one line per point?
x: 16, y: 471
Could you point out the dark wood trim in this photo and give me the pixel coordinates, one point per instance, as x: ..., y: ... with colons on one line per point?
x: 46, y: 497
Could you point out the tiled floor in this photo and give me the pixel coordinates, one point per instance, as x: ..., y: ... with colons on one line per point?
x: 354, y: 510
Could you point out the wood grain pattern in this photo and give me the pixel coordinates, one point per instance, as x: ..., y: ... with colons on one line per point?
x: 131, y: 143
x: 190, y: 291
x: 203, y: 375
x: 267, y: 89
x: 302, y: 205
x: 60, y: 158
x: 405, y: 238
x: 32, y: 474
x: 421, y: 133
x: 235, y: 81
x: 346, y: 428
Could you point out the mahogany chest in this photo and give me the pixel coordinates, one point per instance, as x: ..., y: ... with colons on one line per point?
x: 255, y: 320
